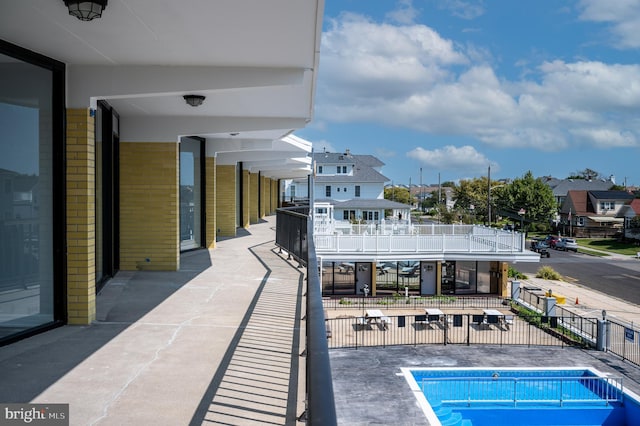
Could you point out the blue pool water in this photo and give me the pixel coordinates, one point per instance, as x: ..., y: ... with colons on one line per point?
x: 523, y: 397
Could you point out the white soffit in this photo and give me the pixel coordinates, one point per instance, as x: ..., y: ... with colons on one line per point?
x: 255, y: 61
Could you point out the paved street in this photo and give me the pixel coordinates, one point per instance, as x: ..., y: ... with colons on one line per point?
x: 615, y: 276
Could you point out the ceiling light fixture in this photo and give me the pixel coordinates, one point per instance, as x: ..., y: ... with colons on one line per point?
x: 86, y: 10
x: 194, y: 100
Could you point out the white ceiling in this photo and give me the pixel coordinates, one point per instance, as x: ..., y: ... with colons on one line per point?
x: 254, y: 60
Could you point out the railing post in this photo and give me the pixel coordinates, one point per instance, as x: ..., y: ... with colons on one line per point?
x: 601, y: 338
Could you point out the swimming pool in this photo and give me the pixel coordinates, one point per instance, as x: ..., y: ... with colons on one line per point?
x: 522, y: 397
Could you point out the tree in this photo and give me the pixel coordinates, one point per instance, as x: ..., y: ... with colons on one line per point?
x: 530, y: 194
x: 398, y: 194
x: 587, y: 174
x: 472, y: 192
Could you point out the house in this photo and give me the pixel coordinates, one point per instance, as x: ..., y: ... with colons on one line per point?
x: 593, y: 213
x: 628, y: 212
x: 351, y: 188
x: 561, y: 187
x: 362, y: 252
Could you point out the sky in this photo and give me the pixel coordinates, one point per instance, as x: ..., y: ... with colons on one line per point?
x: 453, y: 87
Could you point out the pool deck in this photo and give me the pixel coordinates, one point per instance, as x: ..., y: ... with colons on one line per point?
x: 382, y: 392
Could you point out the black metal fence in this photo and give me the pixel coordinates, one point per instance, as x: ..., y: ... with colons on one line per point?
x: 292, y: 228
x: 353, y: 330
x: 416, y: 303
x: 291, y: 232
x: 623, y: 340
x: 620, y: 338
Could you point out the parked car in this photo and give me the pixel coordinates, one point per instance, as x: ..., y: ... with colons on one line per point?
x: 540, y: 247
x: 567, y: 244
x: 551, y: 240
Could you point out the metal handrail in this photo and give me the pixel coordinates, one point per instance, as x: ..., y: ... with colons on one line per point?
x: 512, y: 390
x: 292, y: 228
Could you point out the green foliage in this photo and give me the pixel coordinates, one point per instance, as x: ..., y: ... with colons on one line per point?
x: 587, y: 174
x: 472, y: 192
x: 530, y: 194
x: 634, y: 222
x: 514, y: 273
x: 400, y: 195
x: 345, y: 302
x: 548, y: 273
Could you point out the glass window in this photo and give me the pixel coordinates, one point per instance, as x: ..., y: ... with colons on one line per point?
x: 190, y: 193
x: 357, y: 190
x: 466, y: 277
x: 32, y: 184
x: 484, y: 277
x: 345, y: 215
x: 337, y: 169
x: 327, y: 190
x: 319, y: 169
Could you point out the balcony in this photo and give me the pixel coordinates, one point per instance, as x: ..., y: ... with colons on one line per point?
x: 395, y: 240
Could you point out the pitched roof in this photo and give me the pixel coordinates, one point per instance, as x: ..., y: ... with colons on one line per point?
x: 576, y: 202
x: 562, y: 188
x: 612, y: 195
x: 363, y: 170
x: 366, y: 203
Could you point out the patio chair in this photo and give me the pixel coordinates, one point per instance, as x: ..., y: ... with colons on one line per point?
x: 508, y: 320
x: 477, y: 319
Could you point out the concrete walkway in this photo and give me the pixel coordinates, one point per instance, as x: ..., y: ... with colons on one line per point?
x: 217, y: 342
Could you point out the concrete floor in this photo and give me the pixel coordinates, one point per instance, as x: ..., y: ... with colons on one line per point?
x: 370, y: 390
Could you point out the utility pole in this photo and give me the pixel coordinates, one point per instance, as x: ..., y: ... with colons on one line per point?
x: 421, y: 197
x: 439, y: 196
x: 489, y: 197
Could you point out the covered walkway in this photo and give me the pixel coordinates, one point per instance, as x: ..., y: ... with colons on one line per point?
x: 217, y: 342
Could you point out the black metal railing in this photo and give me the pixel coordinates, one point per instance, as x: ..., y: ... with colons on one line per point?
x: 416, y: 303
x: 292, y: 232
x: 292, y: 229
x: 623, y: 340
x: 356, y: 329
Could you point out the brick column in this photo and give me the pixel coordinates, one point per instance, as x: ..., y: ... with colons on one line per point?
x: 246, y: 199
x: 81, y: 227
x: 253, y: 196
x: 263, y: 196
x: 226, y: 200
x: 149, y: 211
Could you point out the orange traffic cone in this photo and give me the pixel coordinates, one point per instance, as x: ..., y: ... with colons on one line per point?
x: 577, y: 301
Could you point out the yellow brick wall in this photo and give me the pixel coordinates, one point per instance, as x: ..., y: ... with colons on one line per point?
x: 254, y: 209
x: 211, y: 202
x: 246, y: 199
x: 274, y: 195
x: 263, y: 196
x: 226, y: 199
x: 149, y: 211
x: 81, y: 228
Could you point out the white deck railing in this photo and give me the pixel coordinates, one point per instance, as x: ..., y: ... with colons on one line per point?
x: 403, y: 237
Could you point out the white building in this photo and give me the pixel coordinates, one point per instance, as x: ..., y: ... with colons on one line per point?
x: 350, y: 187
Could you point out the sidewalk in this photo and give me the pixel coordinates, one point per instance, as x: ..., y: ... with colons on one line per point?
x: 216, y: 342
x: 587, y: 302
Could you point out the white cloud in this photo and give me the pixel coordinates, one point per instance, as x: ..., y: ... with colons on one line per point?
x: 384, y: 153
x: 622, y: 15
x: 404, y: 14
x: 465, y: 9
x: 411, y: 77
x: 464, y: 159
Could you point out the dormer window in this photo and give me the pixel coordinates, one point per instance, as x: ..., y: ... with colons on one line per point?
x: 319, y: 169
x: 341, y: 170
